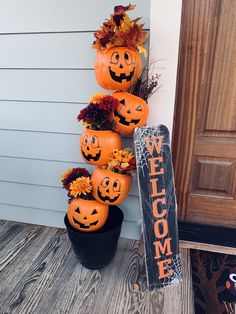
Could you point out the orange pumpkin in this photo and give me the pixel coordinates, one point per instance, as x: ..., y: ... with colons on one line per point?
x: 117, y: 68
x: 97, y: 146
x: 87, y: 215
x: 132, y: 112
x: 109, y: 187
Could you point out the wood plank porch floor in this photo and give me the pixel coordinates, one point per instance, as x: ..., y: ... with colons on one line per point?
x: 39, y: 274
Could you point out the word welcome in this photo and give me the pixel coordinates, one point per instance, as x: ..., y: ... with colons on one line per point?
x: 162, y: 244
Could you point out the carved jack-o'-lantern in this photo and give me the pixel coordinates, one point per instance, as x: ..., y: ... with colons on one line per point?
x: 109, y: 187
x: 117, y: 68
x: 87, y: 215
x: 132, y: 112
x: 97, y: 146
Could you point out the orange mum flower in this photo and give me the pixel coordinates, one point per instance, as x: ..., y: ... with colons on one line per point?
x: 80, y: 186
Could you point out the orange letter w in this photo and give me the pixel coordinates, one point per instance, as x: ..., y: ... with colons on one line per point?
x: 154, y: 144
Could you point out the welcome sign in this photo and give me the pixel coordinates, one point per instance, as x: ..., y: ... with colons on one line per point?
x: 158, y: 203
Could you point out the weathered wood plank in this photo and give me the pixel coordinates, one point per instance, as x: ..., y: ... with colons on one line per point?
x: 9, y: 233
x: 64, y: 290
x: 15, y: 262
x: 179, y: 298
x: 186, y: 285
x: 38, y: 278
x: 32, y: 268
x: 40, y: 274
x: 2, y: 222
x: 19, y: 245
x: 125, y: 282
x: 4, y: 228
x: 154, y: 299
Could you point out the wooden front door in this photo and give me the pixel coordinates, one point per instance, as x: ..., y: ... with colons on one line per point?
x: 204, y: 136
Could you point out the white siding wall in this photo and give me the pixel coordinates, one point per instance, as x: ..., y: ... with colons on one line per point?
x: 46, y: 77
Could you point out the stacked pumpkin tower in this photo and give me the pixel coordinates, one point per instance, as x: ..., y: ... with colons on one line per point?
x: 118, y: 68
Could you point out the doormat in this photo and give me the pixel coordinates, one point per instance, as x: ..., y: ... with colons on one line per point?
x: 214, y: 282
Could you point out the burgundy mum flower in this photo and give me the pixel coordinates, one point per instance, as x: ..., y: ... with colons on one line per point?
x: 97, y: 114
x: 108, y: 103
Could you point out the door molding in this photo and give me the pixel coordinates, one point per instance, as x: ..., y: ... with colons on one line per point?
x: 204, y: 143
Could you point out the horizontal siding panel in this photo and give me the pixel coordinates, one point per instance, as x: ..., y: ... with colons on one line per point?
x: 58, y: 15
x: 55, y: 199
x: 49, y: 146
x: 48, y: 51
x: 41, y: 117
x: 40, y: 172
x: 70, y: 50
x: 48, y: 85
x: 36, y: 172
x: 130, y: 229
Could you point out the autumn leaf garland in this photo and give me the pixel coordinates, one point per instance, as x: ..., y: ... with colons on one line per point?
x: 121, y: 31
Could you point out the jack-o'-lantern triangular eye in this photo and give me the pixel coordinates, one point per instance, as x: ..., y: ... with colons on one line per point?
x: 122, y: 101
x: 139, y: 108
x: 94, y: 212
x: 77, y: 210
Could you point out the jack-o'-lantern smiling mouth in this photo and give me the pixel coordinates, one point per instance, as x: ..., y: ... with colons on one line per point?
x: 89, y: 156
x: 123, y: 119
x: 83, y: 226
x: 122, y: 76
x: 107, y: 198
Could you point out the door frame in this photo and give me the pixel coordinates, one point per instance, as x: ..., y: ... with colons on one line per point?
x: 165, y: 24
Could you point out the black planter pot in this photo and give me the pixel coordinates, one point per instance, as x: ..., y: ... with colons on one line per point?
x: 96, y: 249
